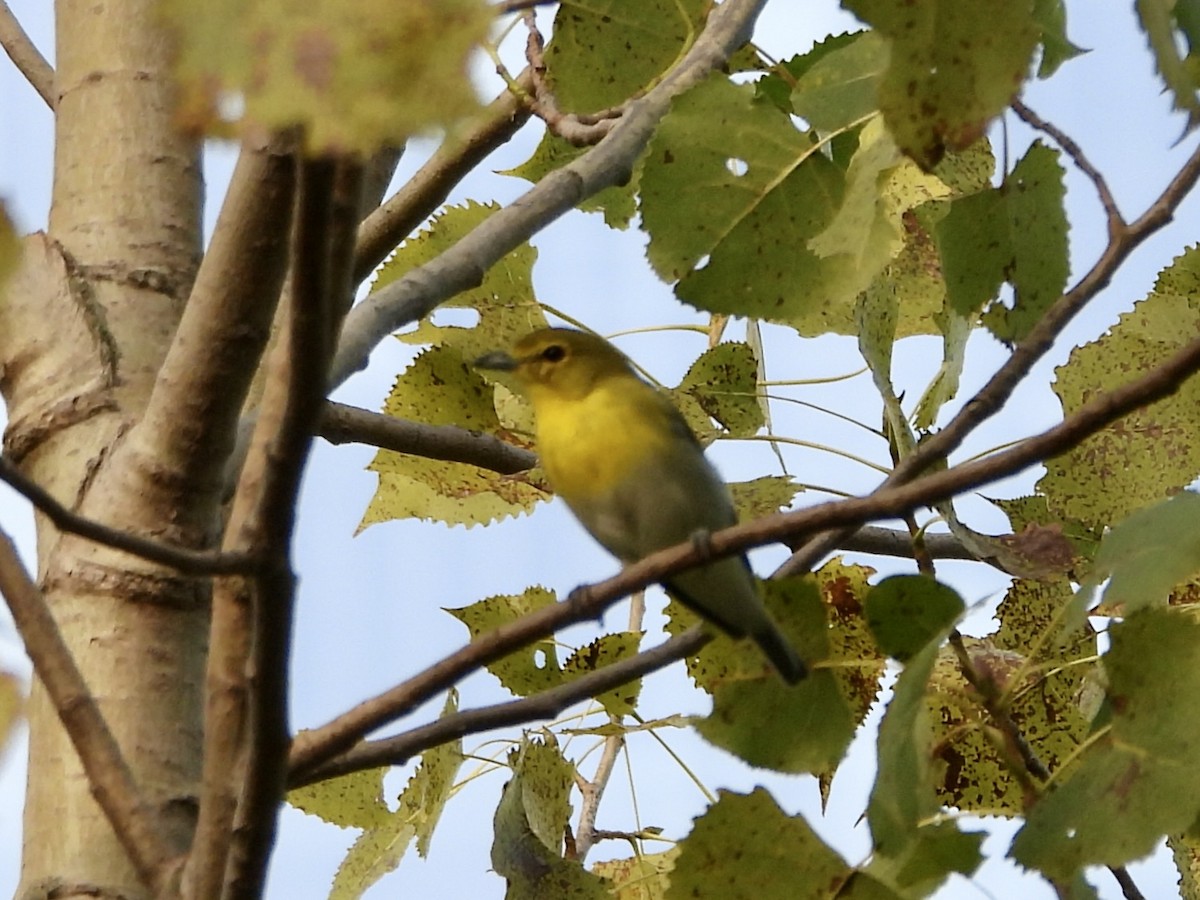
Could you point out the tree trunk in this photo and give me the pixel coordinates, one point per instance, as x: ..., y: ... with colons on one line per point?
x: 82, y: 338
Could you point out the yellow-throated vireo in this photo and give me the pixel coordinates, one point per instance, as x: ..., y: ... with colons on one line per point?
x: 621, y: 455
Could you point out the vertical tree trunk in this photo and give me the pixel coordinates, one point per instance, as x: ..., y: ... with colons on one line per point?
x: 81, y: 341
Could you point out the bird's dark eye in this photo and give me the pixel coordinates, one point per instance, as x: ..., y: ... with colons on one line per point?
x: 553, y: 353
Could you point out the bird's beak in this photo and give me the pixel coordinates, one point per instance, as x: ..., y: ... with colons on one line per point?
x: 497, y: 359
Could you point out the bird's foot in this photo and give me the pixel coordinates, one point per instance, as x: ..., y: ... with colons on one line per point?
x: 701, y: 540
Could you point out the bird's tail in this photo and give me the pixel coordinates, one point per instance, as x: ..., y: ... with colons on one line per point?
x: 780, y: 652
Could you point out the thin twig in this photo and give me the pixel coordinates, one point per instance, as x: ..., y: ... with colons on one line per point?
x: 133, y: 820
x: 592, y: 791
x: 544, y: 705
x: 1128, y: 888
x: 189, y: 562
x: 1116, y: 222
x: 579, y: 130
x: 315, y: 747
x: 26, y: 56
x: 993, y: 396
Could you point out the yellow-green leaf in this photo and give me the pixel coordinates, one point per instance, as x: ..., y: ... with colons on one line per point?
x: 357, y: 74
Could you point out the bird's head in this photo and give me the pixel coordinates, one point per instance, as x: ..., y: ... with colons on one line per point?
x: 559, y: 361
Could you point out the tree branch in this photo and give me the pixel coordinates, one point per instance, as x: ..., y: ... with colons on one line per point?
x: 311, y: 749
x: 993, y: 395
x: 608, y: 163
x: 1116, y: 222
x: 544, y: 705
x: 189, y: 562
x: 26, y: 56
x: 329, y: 198
x: 577, y: 130
x: 134, y: 821
x: 189, y: 427
x: 341, y: 424
x: 383, y: 230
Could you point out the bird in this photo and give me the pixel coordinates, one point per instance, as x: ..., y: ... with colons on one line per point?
x: 622, y: 457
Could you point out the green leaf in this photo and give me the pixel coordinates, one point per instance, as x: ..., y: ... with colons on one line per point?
x: 948, y: 76
x: 530, y: 669
x: 777, y: 84
x: 840, y: 87
x: 754, y: 189
x: 853, y: 656
x: 1154, y: 452
x: 356, y: 800
x: 617, y: 203
x: 802, y: 728
x: 880, y: 186
x: 745, y: 848
x: 721, y: 385
x: 641, y: 877
x: 903, y: 793
x: 937, y: 851
x: 1148, y: 554
x: 1016, y: 233
x: 805, y: 728
x: 763, y: 496
x: 1158, y: 20
x: 529, y: 826
x: 907, y: 612
x: 425, y: 796
x: 604, y: 651
x: 603, y: 51
x: 375, y: 853
x: 956, y: 331
x: 348, y: 801
x: 504, y: 300
x: 1138, y: 782
x: 317, y: 64
x: 441, y: 388
x: 1051, y: 17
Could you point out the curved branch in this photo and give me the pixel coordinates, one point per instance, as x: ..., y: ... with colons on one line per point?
x: 313, y: 748
x: 26, y: 56
x: 608, y: 163
x: 543, y: 705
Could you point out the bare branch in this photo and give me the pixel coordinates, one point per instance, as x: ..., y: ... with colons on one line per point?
x: 341, y: 424
x: 189, y: 426
x: 543, y: 705
x: 383, y: 230
x: 608, y: 163
x: 993, y: 395
x: 328, y: 207
x: 577, y: 130
x: 189, y: 562
x: 132, y: 818
x: 315, y: 747
x: 26, y: 56
x: 1116, y: 221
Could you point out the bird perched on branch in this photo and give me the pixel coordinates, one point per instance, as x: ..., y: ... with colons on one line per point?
x: 623, y: 458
